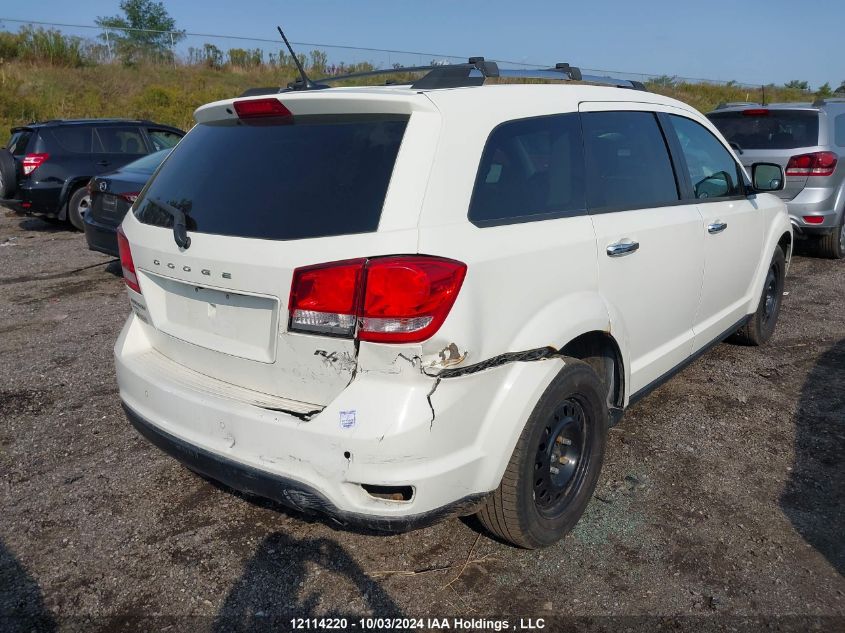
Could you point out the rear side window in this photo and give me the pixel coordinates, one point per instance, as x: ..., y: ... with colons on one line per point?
x: 713, y: 171
x: 316, y: 177
x: 18, y: 143
x: 531, y: 169
x: 119, y: 140
x: 761, y: 128
x: 74, y: 139
x: 628, y: 164
x: 839, y: 130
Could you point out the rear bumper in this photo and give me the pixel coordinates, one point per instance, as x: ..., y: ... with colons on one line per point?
x: 101, y: 237
x: 15, y: 204
x: 37, y: 199
x: 829, y: 221
x: 283, y: 490
x: 448, y: 442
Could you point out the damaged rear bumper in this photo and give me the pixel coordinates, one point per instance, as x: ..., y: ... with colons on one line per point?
x: 286, y: 491
x: 446, y: 439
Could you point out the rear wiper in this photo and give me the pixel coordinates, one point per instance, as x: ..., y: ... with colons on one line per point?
x: 180, y: 228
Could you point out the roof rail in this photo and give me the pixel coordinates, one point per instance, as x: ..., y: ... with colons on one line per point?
x: 477, y: 70
x: 826, y: 100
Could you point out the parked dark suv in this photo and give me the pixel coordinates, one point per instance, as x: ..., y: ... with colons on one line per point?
x: 45, y: 166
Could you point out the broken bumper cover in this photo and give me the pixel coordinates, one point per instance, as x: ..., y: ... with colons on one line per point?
x: 290, y: 493
x: 447, y: 438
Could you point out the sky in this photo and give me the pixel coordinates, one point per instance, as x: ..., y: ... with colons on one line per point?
x: 754, y: 41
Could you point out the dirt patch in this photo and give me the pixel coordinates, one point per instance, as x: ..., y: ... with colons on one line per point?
x: 721, y: 493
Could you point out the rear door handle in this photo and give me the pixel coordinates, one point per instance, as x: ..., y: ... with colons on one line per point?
x: 620, y: 249
x: 716, y: 227
x: 103, y: 163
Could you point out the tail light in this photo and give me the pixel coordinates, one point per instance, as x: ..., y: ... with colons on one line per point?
x: 814, y: 164
x: 755, y: 112
x: 31, y: 162
x: 130, y: 197
x: 257, y: 108
x: 126, y: 263
x: 401, y: 299
x: 90, y: 187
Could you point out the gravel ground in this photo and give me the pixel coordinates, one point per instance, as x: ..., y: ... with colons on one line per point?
x: 721, y: 500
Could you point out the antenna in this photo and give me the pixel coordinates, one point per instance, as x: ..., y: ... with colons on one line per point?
x: 304, y: 83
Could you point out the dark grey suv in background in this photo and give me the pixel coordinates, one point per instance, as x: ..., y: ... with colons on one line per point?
x: 45, y: 166
x: 808, y: 141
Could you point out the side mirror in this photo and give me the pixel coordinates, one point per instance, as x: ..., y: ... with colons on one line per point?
x: 767, y: 177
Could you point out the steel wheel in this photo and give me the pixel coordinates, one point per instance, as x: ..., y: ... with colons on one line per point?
x: 561, y: 459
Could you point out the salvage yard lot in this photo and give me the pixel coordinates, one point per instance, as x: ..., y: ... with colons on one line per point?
x: 722, y: 492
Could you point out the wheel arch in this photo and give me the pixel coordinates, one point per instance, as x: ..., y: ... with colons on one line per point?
x: 71, y: 186
x: 602, y: 352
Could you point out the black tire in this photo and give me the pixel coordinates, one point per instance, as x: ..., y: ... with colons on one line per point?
x: 832, y: 245
x: 77, y: 206
x: 8, y: 174
x: 761, y: 326
x: 538, y: 501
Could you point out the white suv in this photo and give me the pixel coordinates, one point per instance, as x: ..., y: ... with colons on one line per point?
x: 396, y: 304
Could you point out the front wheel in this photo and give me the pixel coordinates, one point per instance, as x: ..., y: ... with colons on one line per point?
x: 761, y: 325
x: 556, y: 463
x: 78, y: 205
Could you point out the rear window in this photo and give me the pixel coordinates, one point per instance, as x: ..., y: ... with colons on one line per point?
x: 316, y: 177
x: 777, y: 129
x: 119, y: 140
x: 531, y: 169
x: 628, y: 164
x: 18, y: 143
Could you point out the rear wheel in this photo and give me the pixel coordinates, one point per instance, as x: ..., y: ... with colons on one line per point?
x: 761, y: 325
x: 832, y: 245
x: 78, y: 205
x: 556, y: 463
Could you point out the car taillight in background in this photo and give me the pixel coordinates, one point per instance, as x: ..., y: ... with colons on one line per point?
x: 130, y: 197
x: 813, y: 164
x: 126, y: 263
x: 31, y: 162
x: 398, y: 299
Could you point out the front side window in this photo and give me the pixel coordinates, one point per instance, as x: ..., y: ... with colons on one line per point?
x: 628, y: 164
x: 712, y: 169
x: 531, y: 169
x: 119, y: 140
x: 163, y: 139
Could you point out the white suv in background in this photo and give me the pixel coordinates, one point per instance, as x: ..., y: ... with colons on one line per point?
x: 395, y: 304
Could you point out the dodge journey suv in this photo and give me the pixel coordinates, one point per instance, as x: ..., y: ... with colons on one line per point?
x: 808, y: 141
x: 434, y: 299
